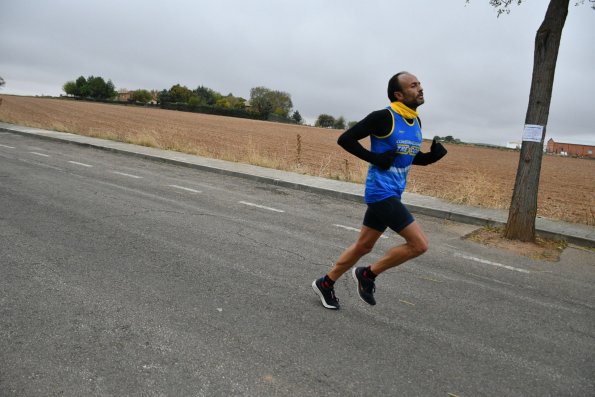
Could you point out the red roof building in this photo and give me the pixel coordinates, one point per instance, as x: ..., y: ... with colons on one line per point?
x: 570, y: 149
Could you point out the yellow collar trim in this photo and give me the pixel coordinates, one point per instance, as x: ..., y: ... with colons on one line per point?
x: 404, y: 110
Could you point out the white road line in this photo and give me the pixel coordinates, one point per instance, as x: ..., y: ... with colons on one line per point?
x: 486, y: 262
x: 8, y: 147
x: 128, y: 175
x: 260, y: 206
x: 40, y: 154
x: 41, y: 164
x: 353, y: 229
x: 81, y: 164
x: 185, y: 188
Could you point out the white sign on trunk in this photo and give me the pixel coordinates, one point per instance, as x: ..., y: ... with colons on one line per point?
x: 532, y: 133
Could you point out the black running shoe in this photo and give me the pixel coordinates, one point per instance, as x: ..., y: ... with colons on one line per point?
x: 327, y: 295
x: 365, y: 286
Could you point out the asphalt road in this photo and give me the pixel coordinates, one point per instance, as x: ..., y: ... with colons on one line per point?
x: 121, y: 276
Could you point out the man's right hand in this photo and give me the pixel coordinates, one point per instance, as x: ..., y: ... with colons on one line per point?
x: 384, y: 160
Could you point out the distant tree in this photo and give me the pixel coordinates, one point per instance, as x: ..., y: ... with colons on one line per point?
x: 110, y: 90
x: 264, y: 108
x: 70, y: 88
x: 142, y: 96
x: 82, y: 90
x: 163, y: 97
x: 237, y: 102
x: 351, y: 124
x: 282, y: 103
x: 339, y: 123
x: 179, y: 93
x: 206, y: 96
x: 223, y: 103
x: 95, y: 85
x: 297, y: 117
x: 325, y: 121
x: 91, y: 87
x: 260, y: 101
x: 265, y: 101
x: 231, y: 102
x: 2, y: 82
x: 195, y: 102
x: 98, y: 88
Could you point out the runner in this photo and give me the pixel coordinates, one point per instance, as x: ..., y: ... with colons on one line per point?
x: 395, y: 134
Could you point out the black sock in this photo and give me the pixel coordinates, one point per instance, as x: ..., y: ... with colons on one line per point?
x: 327, y: 282
x: 368, y: 273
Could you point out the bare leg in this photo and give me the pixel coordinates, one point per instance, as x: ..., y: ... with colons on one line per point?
x: 416, y: 243
x: 349, y: 257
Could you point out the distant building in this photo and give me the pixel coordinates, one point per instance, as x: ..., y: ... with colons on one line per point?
x: 570, y: 149
x: 123, y: 96
x: 126, y: 96
x: 513, y: 144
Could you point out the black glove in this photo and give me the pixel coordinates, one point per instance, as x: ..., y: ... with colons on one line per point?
x: 384, y: 160
x: 437, y: 150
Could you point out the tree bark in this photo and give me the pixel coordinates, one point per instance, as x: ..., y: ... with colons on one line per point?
x: 523, y: 207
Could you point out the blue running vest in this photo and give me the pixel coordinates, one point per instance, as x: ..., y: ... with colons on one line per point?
x: 406, y: 140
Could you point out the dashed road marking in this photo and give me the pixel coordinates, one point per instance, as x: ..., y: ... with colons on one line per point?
x: 486, y: 262
x: 40, y: 154
x: 81, y: 164
x: 8, y: 147
x: 260, y: 206
x: 128, y: 175
x: 185, y: 188
x: 353, y: 229
x: 41, y: 164
x: 407, y: 303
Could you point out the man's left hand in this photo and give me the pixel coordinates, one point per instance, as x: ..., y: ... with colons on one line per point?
x: 438, y: 151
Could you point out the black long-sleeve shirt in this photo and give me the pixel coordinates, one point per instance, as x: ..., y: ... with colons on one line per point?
x: 380, y: 122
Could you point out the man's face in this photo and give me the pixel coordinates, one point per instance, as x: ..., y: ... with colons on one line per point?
x: 412, y: 93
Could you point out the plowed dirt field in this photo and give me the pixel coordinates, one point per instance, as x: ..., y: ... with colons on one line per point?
x: 469, y: 174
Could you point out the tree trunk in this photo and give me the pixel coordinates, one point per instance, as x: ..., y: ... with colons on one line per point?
x: 523, y: 208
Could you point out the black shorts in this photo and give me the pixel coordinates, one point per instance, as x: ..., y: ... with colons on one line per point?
x: 389, y: 212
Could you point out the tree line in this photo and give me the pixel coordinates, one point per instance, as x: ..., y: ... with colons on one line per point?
x: 327, y: 121
x: 91, y: 87
x: 264, y: 103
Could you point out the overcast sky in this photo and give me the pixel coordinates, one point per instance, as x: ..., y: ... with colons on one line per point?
x: 332, y: 56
